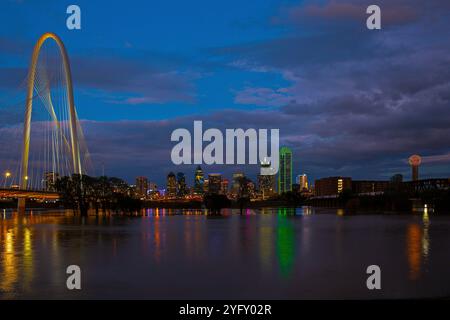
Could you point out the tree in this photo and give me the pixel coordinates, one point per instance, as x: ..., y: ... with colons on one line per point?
x: 82, y: 192
x: 215, y: 202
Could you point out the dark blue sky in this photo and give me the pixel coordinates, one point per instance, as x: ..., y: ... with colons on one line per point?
x: 348, y: 100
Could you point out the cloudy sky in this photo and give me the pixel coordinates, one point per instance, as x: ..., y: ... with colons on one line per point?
x: 348, y: 100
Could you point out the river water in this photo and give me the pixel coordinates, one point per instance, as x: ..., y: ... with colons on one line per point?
x: 302, y: 253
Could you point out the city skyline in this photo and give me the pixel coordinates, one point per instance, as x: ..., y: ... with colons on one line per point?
x: 275, y: 184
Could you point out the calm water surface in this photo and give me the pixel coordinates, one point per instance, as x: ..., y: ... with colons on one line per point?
x: 263, y: 254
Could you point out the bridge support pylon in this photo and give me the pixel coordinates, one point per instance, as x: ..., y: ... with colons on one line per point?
x: 73, y: 125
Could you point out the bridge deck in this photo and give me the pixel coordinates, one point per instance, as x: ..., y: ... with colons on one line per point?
x: 28, y: 194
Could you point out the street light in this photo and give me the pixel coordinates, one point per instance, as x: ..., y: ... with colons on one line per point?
x: 7, y: 175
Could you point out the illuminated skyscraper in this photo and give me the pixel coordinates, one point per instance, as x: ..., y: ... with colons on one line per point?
x: 285, y: 170
x: 152, y: 187
x: 153, y: 191
x: 141, y: 186
x: 171, y: 185
x: 250, y: 188
x: 266, y: 183
x: 237, y: 180
x: 214, y: 183
x: 302, y: 181
x: 181, y: 185
x: 199, y: 181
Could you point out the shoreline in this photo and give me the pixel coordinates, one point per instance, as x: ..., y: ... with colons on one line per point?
x: 291, y: 210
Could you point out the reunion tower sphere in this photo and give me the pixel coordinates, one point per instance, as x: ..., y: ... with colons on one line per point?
x: 415, y: 161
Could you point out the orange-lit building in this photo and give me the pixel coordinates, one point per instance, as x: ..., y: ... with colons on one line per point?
x: 332, y: 186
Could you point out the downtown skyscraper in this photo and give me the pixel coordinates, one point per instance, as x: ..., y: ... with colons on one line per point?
x: 181, y: 185
x: 142, y: 186
x: 199, y: 181
x: 266, y: 183
x: 171, y: 185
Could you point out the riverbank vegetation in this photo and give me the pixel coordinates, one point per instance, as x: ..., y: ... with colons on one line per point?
x: 81, y: 192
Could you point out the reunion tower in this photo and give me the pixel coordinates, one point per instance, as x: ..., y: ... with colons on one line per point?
x: 415, y: 161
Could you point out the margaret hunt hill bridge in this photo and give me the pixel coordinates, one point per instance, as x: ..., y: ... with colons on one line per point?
x: 50, y: 138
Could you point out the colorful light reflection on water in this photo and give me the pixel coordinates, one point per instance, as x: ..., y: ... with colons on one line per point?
x: 267, y: 253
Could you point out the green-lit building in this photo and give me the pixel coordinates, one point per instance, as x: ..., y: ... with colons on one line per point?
x: 285, y: 170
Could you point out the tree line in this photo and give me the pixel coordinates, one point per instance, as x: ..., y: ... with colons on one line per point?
x: 82, y: 192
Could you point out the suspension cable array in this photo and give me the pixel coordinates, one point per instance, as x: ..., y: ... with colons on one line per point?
x: 51, y: 142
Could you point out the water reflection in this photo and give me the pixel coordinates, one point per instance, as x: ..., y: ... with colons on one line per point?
x: 418, y: 246
x: 285, y: 241
x: 9, y: 261
x: 266, y: 247
x: 157, y: 238
x: 16, y: 254
x: 414, y: 238
x: 27, y: 259
x: 426, y: 236
x: 306, y: 211
x: 275, y: 247
x: 193, y: 241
